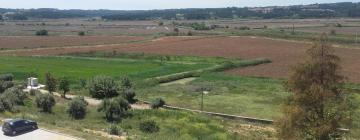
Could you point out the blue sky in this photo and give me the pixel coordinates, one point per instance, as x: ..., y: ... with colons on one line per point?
x: 152, y: 4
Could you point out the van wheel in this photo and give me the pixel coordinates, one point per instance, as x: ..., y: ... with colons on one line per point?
x: 13, y: 132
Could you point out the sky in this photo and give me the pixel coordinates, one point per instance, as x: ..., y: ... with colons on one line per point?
x: 153, y: 4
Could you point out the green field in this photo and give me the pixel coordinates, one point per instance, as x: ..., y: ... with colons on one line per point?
x: 76, y: 68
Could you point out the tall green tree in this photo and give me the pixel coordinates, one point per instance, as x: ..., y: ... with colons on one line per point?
x: 64, y: 86
x: 50, y: 82
x: 318, y: 105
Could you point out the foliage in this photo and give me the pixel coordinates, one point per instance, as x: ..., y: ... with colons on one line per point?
x: 10, y: 98
x: 77, y: 108
x: 6, y: 77
x: 157, y: 103
x: 5, y: 85
x: 126, y: 83
x: 45, y: 102
x: 318, y: 105
x: 50, y: 82
x: 149, y: 126
x: 115, y: 109
x: 81, y: 33
x: 42, y: 33
x: 102, y: 87
x: 114, y: 130
x: 82, y: 83
x: 129, y: 95
x: 64, y: 85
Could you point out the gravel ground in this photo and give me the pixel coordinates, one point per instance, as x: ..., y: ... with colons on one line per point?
x: 39, y: 134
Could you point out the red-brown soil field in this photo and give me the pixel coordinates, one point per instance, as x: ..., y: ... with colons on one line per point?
x: 27, y: 42
x: 284, y: 54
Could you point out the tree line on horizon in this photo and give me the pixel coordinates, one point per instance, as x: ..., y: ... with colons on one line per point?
x: 344, y: 9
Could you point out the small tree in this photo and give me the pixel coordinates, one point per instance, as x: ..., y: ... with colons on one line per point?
x: 77, y: 108
x: 64, y: 86
x: 318, y: 105
x: 50, y: 82
x: 102, y: 87
x: 129, y: 95
x: 45, y: 102
x: 114, y: 109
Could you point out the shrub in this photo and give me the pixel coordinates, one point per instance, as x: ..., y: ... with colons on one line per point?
x: 81, y: 33
x: 45, y: 102
x: 15, y: 95
x: 42, y: 33
x: 190, y: 33
x: 114, y: 130
x: 244, y: 28
x: 114, y: 109
x: 6, y: 77
x: 77, y: 108
x: 10, y: 98
x: 5, y: 85
x: 129, y: 95
x: 102, y: 87
x: 149, y: 126
x: 157, y: 103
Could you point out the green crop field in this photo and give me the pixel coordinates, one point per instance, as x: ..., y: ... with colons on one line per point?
x: 76, y: 68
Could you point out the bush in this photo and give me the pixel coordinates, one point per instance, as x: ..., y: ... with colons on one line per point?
x: 157, y: 103
x: 149, y: 126
x: 114, y: 109
x: 244, y: 28
x: 77, y: 108
x: 81, y: 33
x: 129, y: 95
x: 6, y: 77
x: 102, y: 87
x: 45, y: 102
x: 5, y: 85
x: 15, y: 95
x: 10, y: 98
x: 190, y: 33
x: 42, y: 33
x: 114, y: 130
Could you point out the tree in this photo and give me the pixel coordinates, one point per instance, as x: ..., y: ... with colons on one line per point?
x: 114, y: 109
x: 102, y: 87
x: 81, y: 33
x: 45, y: 102
x: 50, y: 82
x: 318, y: 105
x: 77, y: 108
x: 129, y: 95
x: 64, y: 86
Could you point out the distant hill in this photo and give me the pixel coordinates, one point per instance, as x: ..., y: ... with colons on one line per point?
x: 331, y: 10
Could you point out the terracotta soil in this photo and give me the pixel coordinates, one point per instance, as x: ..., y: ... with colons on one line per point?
x: 284, y: 54
x: 28, y: 42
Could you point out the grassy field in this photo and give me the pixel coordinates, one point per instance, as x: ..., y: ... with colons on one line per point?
x: 76, y: 68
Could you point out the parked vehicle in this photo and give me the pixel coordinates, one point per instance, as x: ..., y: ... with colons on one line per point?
x: 16, y: 126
